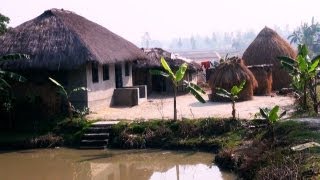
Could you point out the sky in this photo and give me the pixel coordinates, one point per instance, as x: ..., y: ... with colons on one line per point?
x: 168, y: 19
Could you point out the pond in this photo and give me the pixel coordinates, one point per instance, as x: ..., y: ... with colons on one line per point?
x: 70, y: 164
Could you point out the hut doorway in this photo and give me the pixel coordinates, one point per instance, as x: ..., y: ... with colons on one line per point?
x: 118, y: 75
x: 158, y: 84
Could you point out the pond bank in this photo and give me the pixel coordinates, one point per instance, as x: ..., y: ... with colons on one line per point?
x: 244, y: 147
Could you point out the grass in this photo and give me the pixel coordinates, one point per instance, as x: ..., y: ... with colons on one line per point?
x: 208, y: 134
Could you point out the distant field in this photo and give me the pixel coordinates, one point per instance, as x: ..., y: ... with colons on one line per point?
x: 201, y: 55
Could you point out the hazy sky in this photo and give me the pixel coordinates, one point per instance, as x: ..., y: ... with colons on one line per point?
x: 165, y: 19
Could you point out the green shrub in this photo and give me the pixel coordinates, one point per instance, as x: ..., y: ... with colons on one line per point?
x: 71, y: 129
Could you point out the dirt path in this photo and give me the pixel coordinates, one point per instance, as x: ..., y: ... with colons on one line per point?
x: 158, y: 107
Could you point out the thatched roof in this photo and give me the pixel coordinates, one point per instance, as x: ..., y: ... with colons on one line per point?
x: 60, y: 39
x: 229, y: 73
x: 154, y: 57
x: 265, y: 49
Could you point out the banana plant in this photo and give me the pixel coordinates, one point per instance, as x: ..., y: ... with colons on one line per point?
x: 304, y: 72
x: 5, y: 75
x: 232, y: 95
x: 5, y: 93
x: 272, y: 116
x: 175, y: 78
x: 66, y: 94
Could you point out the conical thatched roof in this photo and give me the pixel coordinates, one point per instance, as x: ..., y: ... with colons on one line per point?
x: 154, y: 57
x: 62, y: 39
x: 265, y: 49
x: 229, y: 73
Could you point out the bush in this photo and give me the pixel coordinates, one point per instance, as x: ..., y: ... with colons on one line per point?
x: 71, y: 129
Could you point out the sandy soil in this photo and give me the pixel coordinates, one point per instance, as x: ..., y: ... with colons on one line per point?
x: 160, y: 107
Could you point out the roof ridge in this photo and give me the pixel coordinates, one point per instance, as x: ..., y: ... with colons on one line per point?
x: 72, y: 29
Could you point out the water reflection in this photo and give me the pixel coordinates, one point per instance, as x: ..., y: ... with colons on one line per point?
x: 108, y: 165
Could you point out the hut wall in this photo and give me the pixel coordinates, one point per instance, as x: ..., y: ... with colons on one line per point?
x: 263, y: 76
x: 100, y: 94
x: 77, y: 78
x: 127, y: 80
x: 142, y: 77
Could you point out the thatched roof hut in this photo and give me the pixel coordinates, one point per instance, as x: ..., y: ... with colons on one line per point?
x: 263, y: 75
x: 155, y: 54
x: 229, y: 73
x: 60, y: 39
x: 265, y: 49
x: 141, y: 74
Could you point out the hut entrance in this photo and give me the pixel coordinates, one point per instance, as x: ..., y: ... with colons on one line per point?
x: 158, y: 84
x: 118, y: 75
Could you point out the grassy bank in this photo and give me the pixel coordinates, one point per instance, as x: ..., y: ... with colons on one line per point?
x: 245, y: 147
x: 204, y: 134
x: 61, y: 132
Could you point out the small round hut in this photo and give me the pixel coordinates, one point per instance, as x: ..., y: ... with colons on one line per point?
x: 265, y: 49
x: 229, y: 73
x: 263, y: 75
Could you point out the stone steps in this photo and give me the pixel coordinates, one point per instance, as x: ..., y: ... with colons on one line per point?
x: 96, y: 136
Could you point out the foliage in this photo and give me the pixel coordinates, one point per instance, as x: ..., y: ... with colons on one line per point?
x: 175, y: 79
x: 272, y: 115
x: 66, y: 94
x: 4, y: 21
x: 71, y: 129
x: 5, y: 75
x: 304, y: 72
x: 232, y: 95
x: 308, y: 35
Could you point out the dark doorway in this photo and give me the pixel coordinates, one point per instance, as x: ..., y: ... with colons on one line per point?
x: 118, y: 75
x: 158, y: 84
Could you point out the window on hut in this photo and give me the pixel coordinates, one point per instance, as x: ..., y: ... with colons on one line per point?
x: 105, y: 72
x: 126, y: 69
x: 95, y: 73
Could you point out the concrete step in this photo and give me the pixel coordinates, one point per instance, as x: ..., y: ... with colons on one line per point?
x: 93, y: 147
x: 95, y: 136
x: 94, y: 143
x: 98, y: 129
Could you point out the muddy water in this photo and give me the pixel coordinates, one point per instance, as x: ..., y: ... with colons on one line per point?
x: 69, y: 164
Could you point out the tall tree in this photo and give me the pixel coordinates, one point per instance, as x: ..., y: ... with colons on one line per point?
x: 4, y: 20
x: 179, y: 43
x: 146, y: 40
x: 193, y: 42
x: 308, y: 35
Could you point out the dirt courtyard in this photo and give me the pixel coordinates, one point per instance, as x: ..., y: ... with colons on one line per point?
x: 161, y: 107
